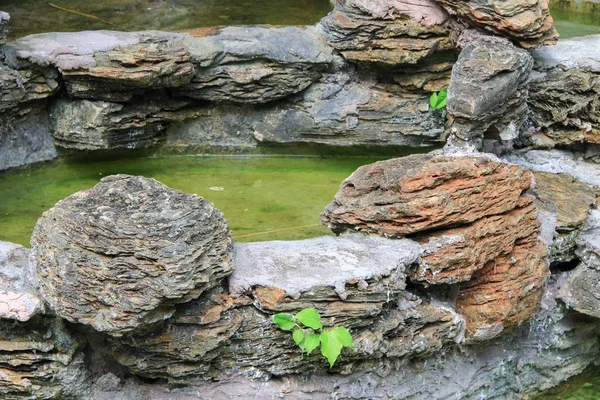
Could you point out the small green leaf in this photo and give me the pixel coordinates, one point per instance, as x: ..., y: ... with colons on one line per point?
x: 298, y: 336
x: 438, y: 100
x: 310, y: 317
x: 343, y: 335
x: 284, y: 321
x: 331, y: 347
x: 311, y: 342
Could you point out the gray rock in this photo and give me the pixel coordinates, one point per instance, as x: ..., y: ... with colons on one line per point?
x: 4, y: 18
x: 100, y: 125
x: 22, y: 89
x: 387, y: 32
x: 564, y: 90
x: 488, y: 90
x: 255, y: 64
x: 18, y: 298
x: 119, y: 256
x: 108, y: 65
x: 338, y: 111
x: 26, y: 139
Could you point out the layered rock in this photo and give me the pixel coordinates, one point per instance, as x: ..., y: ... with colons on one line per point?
x: 108, y: 65
x: 581, y: 290
x: 254, y: 64
x: 100, y: 125
x: 564, y: 92
x: 569, y: 200
x: 22, y: 89
x: 337, y: 111
x: 529, y: 22
x: 485, y: 230
x: 488, y: 90
x: 387, y: 32
x: 4, y: 18
x: 18, y: 299
x: 120, y: 255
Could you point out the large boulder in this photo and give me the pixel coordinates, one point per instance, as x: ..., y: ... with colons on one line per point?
x: 108, y: 65
x: 529, y: 23
x: 477, y: 227
x: 488, y: 89
x: 254, y: 64
x: 119, y: 256
x: 387, y: 32
x: 564, y: 90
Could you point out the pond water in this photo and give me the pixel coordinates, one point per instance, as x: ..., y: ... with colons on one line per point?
x: 573, y: 19
x: 256, y: 194
x: 37, y: 16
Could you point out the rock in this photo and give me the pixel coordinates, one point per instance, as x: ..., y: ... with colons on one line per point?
x: 387, y: 32
x: 581, y: 290
x: 418, y: 193
x: 119, y: 256
x: 18, y: 299
x: 557, y: 162
x: 564, y: 90
x: 528, y: 23
x: 254, y: 64
x: 35, y: 358
x: 22, y: 89
x: 488, y: 89
x: 336, y: 111
x: 108, y: 65
x: 26, y: 139
x: 569, y: 200
x: 4, y: 17
x: 100, y: 125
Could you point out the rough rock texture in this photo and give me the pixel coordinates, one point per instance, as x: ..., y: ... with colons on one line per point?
x: 20, y: 89
x: 18, y: 299
x: 108, y: 65
x: 36, y: 359
x: 417, y: 193
x: 488, y: 89
x: 564, y: 92
x: 387, y: 32
x: 581, y: 291
x: 337, y: 111
x: 569, y: 200
x: 100, y: 125
x: 4, y: 17
x: 26, y: 139
x: 486, y: 230
x: 120, y: 255
x: 255, y: 64
x: 527, y: 22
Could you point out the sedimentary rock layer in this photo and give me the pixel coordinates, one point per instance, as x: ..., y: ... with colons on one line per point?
x: 120, y: 255
x: 527, y: 22
x: 4, y: 17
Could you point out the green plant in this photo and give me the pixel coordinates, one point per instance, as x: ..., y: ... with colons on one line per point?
x: 308, y: 333
x: 438, y: 100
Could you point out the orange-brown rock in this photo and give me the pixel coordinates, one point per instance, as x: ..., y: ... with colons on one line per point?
x: 418, y: 193
x: 506, y: 292
x: 527, y: 22
x: 455, y: 254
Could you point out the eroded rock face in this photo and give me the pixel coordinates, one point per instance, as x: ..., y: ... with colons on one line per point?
x: 120, y: 255
x: 527, y: 22
x: 4, y: 17
x: 35, y: 356
x: 569, y: 200
x: 22, y: 89
x: 108, y: 65
x: 564, y: 90
x: 387, y: 32
x: 254, y: 64
x: 100, y: 125
x: 488, y: 89
x: 486, y: 232
x: 18, y: 299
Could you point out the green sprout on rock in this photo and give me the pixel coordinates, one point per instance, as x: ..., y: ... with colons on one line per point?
x: 438, y: 100
x: 308, y: 333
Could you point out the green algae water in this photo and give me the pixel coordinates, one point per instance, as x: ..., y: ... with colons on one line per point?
x: 576, y: 18
x: 279, y: 195
x: 38, y: 16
